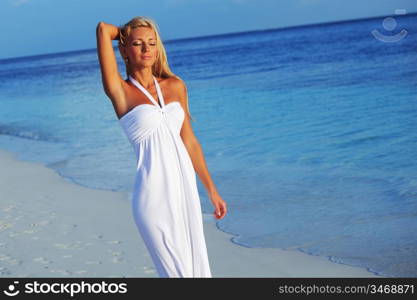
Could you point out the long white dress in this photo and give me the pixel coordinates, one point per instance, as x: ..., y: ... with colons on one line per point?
x: 165, y: 201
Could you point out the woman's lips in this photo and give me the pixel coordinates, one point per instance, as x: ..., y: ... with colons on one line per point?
x: 146, y: 57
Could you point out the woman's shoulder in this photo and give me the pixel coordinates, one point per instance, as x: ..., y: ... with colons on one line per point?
x: 177, y: 89
x: 172, y: 80
x: 175, y: 84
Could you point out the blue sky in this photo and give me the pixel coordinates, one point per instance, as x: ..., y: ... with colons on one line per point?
x: 31, y: 27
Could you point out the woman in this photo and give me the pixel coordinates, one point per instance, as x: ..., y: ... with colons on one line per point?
x: 152, y: 107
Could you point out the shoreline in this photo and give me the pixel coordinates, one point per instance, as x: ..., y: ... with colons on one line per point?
x: 51, y: 227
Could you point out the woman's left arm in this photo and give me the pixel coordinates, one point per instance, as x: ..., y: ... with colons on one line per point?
x: 197, y: 157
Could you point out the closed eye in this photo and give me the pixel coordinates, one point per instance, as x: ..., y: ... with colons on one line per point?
x: 141, y: 44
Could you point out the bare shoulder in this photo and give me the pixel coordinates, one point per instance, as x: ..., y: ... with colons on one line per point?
x: 178, y: 88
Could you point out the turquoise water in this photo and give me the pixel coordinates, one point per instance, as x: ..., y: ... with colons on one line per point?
x: 309, y: 133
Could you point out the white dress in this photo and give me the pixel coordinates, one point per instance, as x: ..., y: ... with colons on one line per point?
x: 165, y: 201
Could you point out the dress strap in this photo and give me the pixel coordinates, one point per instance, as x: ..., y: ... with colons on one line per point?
x: 158, y: 90
x: 145, y: 91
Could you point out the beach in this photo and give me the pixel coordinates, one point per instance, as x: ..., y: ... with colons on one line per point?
x: 51, y: 227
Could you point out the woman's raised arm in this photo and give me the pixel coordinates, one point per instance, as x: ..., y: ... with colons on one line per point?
x: 111, y: 78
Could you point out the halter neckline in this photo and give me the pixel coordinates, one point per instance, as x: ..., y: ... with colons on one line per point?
x: 145, y: 91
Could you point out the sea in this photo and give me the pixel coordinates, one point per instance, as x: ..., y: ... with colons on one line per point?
x: 309, y: 133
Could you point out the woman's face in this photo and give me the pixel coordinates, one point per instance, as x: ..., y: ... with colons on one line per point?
x: 141, y: 47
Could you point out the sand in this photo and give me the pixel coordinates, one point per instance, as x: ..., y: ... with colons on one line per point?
x: 51, y: 227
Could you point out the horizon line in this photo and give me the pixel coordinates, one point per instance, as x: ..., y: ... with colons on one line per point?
x: 220, y: 34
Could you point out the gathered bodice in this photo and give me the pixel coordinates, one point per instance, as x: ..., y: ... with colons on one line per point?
x: 144, y: 119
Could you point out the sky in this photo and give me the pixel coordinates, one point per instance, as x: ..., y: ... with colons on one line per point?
x: 32, y: 27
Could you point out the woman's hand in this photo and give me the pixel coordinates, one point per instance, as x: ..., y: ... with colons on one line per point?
x: 220, y: 208
x: 112, y: 30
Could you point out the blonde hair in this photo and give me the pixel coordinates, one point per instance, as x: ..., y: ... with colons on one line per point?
x: 161, y: 67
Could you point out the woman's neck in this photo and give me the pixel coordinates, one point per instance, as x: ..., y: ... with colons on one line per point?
x: 144, y: 77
